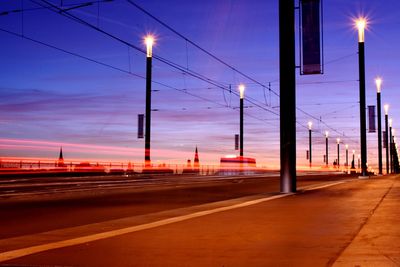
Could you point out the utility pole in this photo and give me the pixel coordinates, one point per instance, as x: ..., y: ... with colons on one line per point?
x: 287, y: 78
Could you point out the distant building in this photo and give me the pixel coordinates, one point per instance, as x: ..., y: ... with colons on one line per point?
x: 196, y: 163
x: 60, y: 162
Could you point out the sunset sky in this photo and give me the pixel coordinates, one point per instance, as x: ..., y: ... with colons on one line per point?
x: 50, y: 98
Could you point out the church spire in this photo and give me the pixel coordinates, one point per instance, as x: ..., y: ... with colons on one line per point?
x: 196, y: 164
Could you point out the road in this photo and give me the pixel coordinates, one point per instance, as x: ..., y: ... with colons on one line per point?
x: 237, y: 221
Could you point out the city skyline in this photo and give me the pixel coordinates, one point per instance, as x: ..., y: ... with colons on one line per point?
x: 50, y: 98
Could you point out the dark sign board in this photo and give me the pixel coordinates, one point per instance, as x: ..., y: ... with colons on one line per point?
x: 371, y: 119
x: 236, y: 142
x: 384, y: 139
x: 311, y: 37
x: 140, y: 133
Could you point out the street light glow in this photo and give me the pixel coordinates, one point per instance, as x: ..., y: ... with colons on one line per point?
x: 347, y: 146
x: 149, y: 41
x: 386, y: 108
x: 309, y: 125
x: 361, y: 24
x: 241, y: 90
x: 390, y: 122
x: 326, y: 134
x: 338, y: 140
x: 378, y: 82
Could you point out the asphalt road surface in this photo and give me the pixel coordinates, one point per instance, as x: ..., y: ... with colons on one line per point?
x: 183, y: 221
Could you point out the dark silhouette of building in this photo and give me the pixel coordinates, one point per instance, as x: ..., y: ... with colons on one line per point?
x: 60, y: 162
x: 196, y: 163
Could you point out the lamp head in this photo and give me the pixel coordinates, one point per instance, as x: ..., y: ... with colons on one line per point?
x: 149, y: 42
x: 310, y: 125
x: 386, y: 108
x: 241, y: 90
x: 338, y: 140
x: 361, y: 24
x: 378, y: 82
x: 326, y: 134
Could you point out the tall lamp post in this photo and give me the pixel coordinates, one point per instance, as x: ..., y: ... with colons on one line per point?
x: 386, y: 108
x: 241, y: 92
x: 353, y: 162
x: 361, y: 24
x: 309, y: 142
x: 347, y: 156
x: 338, y: 152
x: 390, y: 145
x: 378, y: 82
x: 392, y: 149
x: 326, y: 148
x: 149, y: 41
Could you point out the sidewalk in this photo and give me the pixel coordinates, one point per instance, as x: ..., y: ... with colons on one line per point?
x: 356, y: 223
x: 378, y: 242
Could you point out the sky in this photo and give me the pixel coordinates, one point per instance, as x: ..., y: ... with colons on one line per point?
x: 65, y: 84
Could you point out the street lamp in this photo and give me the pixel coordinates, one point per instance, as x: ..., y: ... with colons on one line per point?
x: 392, y: 149
x: 386, y: 108
x: 390, y: 145
x: 338, y: 153
x: 361, y: 24
x: 347, y: 156
x: 353, y: 162
x: 326, y: 147
x: 309, y: 141
x: 241, y: 92
x: 378, y: 82
x: 149, y: 42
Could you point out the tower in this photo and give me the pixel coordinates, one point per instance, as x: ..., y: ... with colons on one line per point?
x: 60, y: 162
x: 196, y: 163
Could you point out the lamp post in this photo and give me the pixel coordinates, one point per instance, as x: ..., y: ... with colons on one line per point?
x: 338, y: 152
x: 378, y: 82
x: 353, y: 162
x: 347, y: 156
x: 149, y: 41
x: 359, y: 161
x: 287, y: 78
x: 361, y: 24
x: 241, y: 91
x: 386, y: 108
x: 392, y: 149
x: 390, y: 145
x: 309, y: 142
x: 326, y: 147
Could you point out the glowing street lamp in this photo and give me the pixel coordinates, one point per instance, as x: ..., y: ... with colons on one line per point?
x: 326, y: 148
x: 347, y: 156
x: 386, y: 108
x: 338, y: 152
x: 149, y: 42
x: 309, y: 141
x: 241, y: 92
x: 361, y: 24
x: 390, y: 145
x: 378, y: 82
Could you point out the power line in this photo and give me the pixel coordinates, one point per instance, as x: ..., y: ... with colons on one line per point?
x: 220, y: 60
x: 196, y: 45
x: 60, y: 11
x: 124, y: 71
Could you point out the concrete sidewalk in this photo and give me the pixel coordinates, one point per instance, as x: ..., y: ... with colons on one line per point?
x: 378, y: 241
x: 355, y: 223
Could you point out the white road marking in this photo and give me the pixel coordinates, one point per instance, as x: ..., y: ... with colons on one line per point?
x: 13, y: 254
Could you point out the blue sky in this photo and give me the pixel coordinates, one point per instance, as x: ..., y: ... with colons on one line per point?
x: 50, y: 96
